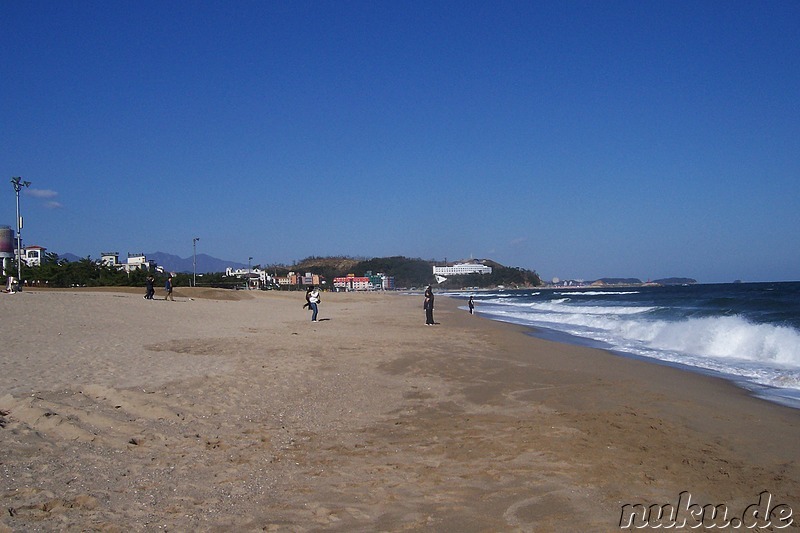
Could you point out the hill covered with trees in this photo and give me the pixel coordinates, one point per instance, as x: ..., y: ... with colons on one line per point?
x: 409, y: 272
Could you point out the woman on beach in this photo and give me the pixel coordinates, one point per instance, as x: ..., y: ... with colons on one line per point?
x: 428, y: 305
x: 313, y: 301
x: 471, y: 304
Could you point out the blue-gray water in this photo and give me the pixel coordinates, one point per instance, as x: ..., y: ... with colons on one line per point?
x: 746, y: 332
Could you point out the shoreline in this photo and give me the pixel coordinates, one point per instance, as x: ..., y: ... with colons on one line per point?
x: 212, y: 413
x: 785, y: 396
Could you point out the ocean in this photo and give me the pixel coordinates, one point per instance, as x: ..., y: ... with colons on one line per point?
x: 748, y: 333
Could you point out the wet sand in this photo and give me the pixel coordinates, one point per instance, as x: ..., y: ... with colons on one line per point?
x: 231, y: 411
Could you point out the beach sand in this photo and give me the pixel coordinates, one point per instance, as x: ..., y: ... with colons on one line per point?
x: 231, y: 411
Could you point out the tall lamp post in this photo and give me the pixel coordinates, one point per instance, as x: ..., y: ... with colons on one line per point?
x: 18, y: 185
x: 248, y: 272
x: 194, y: 261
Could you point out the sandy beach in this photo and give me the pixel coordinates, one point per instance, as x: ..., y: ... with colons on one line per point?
x: 231, y: 411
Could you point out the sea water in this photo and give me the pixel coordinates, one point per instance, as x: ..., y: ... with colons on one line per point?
x: 746, y: 332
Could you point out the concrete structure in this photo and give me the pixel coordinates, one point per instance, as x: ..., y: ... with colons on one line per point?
x: 460, y: 269
x: 134, y: 262
x: 109, y: 258
x: 7, y: 250
x: 254, y: 277
x: 33, y: 255
x: 6, y: 242
x: 352, y: 283
x: 368, y: 282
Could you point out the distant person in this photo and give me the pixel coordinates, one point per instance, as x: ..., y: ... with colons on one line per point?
x: 11, y: 285
x: 428, y: 305
x: 307, y: 305
x: 313, y: 302
x: 471, y: 304
x: 149, y: 282
x: 168, y: 288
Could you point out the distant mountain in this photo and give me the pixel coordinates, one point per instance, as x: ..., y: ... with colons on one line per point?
x: 70, y: 257
x: 205, y: 263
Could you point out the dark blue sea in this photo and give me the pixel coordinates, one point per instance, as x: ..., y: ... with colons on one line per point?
x: 746, y: 332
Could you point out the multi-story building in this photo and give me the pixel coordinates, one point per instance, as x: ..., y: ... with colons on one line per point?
x: 135, y: 261
x: 33, y: 255
x: 254, y: 277
x: 299, y: 279
x: 388, y: 283
x: 352, y: 283
x: 368, y: 282
x: 459, y: 269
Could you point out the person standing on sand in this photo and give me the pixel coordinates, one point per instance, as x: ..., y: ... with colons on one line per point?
x: 308, y: 295
x: 313, y: 302
x: 471, y: 304
x: 150, y: 290
x: 428, y: 306
x: 168, y: 288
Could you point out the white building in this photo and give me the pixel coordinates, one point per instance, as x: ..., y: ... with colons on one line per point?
x: 135, y: 261
x: 254, y: 277
x: 33, y: 255
x: 459, y: 269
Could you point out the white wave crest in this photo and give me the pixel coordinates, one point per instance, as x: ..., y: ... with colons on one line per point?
x: 766, y: 354
x: 722, y: 337
x: 565, y: 307
x: 596, y: 293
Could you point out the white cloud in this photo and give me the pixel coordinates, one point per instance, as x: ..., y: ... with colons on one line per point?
x: 45, y: 194
x: 40, y: 193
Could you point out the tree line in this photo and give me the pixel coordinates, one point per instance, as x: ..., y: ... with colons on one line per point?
x: 86, y: 272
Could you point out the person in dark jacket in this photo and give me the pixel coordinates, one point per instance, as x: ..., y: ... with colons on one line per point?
x: 150, y: 290
x: 168, y: 288
x: 428, y: 305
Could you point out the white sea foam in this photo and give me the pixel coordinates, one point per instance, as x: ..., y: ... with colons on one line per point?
x: 557, y: 306
x: 766, y: 354
x: 595, y: 293
x: 725, y: 337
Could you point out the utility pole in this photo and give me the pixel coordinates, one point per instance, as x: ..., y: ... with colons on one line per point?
x: 18, y: 185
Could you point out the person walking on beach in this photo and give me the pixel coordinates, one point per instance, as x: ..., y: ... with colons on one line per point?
x: 471, y: 304
x: 150, y: 290
x: 168, y: 288
x: 307, y: 305
x: 313, y: 301
x: 428, y: 305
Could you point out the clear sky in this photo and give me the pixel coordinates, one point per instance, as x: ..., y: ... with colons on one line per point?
x: 580, y: 139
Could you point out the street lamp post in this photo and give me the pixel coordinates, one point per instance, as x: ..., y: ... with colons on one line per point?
x: 194, y: 261
x: 18, y: 185
x: 248, y: 272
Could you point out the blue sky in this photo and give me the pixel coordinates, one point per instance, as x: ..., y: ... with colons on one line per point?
x: 580, y: 139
